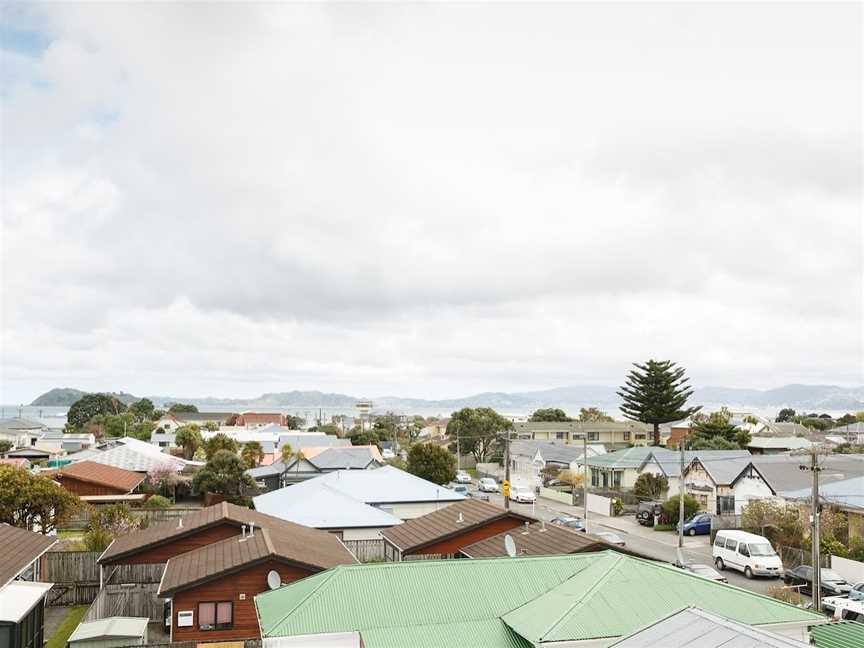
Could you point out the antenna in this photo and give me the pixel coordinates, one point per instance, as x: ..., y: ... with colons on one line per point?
x: 510, y: 546
x: 274, y: 581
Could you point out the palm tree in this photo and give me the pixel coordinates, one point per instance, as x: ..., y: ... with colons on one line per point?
x: 252, y: 454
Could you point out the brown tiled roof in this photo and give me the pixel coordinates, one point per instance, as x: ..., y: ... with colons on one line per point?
x: 96, y: 473
x: 307, y: 546
x: 20, y: 548
x: 230, y: 555
x: 445, y: 523
x: 540, y: 539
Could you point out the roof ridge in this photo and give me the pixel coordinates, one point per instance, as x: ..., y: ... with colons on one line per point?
x: 326, y: 577
x: 267, y: 542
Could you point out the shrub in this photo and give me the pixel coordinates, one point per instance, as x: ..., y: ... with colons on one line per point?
x: 97, y: 538
x: 670, y: 508
x: 785, y: 594
x: 650, y: 486
x: 158, y: 502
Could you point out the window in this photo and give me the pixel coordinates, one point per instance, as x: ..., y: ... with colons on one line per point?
x: 627, y: 435
x: 616, y: 479
x: 561, y: 435
x: 595, y: 479
x: 719, y: 541
x: 742, y: 549
x: 640, y: 436
x: 593, y: 436
x: 725, y: 504
x: 216, y: 616
x: 731, y: 544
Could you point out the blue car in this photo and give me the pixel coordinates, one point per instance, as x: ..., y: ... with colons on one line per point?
x: 699, y: 524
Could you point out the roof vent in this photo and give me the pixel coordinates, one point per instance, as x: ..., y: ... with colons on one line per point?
x: 179, y: 523
x: 542, y: 526
x: 251, y: 529
x: 243, y: 533
x: 460, y: 519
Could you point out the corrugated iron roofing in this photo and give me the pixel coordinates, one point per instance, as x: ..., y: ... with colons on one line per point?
x: 843, y: 634
x: 20, y: 548
x: 308, y: 546
x: 540, y: 539
x: 452, y: 520
x: 97, y: 473
x: 549, y: 598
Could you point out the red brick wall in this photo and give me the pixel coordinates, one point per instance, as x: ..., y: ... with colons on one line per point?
x: 454, y: 544
x: 249, y: 582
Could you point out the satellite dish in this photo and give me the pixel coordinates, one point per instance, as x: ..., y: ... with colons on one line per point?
x: 510, y: 546
x: 274, y: 580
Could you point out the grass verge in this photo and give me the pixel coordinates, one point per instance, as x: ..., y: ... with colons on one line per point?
x: 66, y: 627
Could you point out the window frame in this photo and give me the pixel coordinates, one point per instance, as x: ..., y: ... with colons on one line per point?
x: 216, y: 625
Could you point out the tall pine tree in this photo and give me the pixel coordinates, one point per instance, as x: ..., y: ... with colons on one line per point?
x: 656, y: 393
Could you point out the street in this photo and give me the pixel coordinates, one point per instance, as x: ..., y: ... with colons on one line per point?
x: 660, y: 545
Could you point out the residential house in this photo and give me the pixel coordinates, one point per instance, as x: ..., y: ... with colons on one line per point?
x: 777, y: 445
x: 587, y: 599
x: 211, y: 589
x: 436, y: 429
x: 846, y: 494
x: 135, y: 455
x: 319, y: 506
x: 34, y: 454
x: 110, y: 632
x: 693, y: 627
x: 783, y: 472
x: 21, y: 432
x: 315, y: 461
x: 59, y: 443
x: 18, y: 462
x: 612, y: 434
x: 445, y: 532
x: 724, y: 486
x: 395, y: 491
x: 668, y: 463
x: 256, y: 419
x: 617, y: 470
x: 22, y: 597
x: 528, y: 459
x: 539, y: 539
x: 852, y: 433
x: 92, y: 478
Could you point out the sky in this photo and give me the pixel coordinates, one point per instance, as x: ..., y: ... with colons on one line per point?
x: 428, y: 200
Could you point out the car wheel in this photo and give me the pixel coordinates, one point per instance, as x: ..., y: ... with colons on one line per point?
x: 719, y: 564
x: 748, y: 572
x: 692, y: 532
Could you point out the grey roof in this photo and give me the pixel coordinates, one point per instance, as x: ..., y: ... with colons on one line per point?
x: 724, y: 470
x: 276, y: 468
x: 696, y: 628
x: 626, y: 458
x: 783, y: 474
x: 341, y: 458
x: 386, y: 485
x: 163, y: 437
x: 788, y: 429
x: 20, y: 424
x: 311, y: 440
x: 554, y: 452
x: 319, y: 506
x: 852, y: 428
x: 847, y: 492
x: 779, y: 443
x: 127, y: 458
x: 670, y: 460
x: 110, y: 628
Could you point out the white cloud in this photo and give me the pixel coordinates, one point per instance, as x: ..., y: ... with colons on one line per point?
x: 431, y: 200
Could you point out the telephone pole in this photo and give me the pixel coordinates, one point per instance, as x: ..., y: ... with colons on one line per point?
x: 458, y: 450
x: 815, y: 535
x: 585, y: 477
x: 507, y: 468
x: 681, y: 491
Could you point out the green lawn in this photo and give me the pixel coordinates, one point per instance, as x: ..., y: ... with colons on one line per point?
x: 70, y: 534
x: 665, y: 527
x: 67, y: 627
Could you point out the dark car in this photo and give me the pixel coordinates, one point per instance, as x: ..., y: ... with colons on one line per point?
x: 833, y: 584
x: 699, y: 524
x: 574, y: 523
x: 646, y: 511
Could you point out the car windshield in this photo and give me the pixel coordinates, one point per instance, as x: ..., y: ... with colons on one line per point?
x: 762, y: 549
x: 828, y: 575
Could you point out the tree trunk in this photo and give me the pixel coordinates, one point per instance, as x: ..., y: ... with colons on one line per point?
x: 656, y: 434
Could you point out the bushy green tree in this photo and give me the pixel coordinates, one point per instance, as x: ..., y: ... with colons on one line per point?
x: 252, y: 454
x: 656, y: 392
x: 785, y: 415
x: 158, y: 502
x: 224, y: 474
x: 142, y: 410
x: 649, y: 486
x: 295, y: 422
x: 219, y: 442
x: 366, y: 437
x: 90, y: 405
x: 670, y: 508
x: 189, y: 438
x: 549, y: 415
x: 33, y: 502
x: 716, y: 432
x: 182, y: 408
x: 5, y: 446
x: 593, y: 415
x: 479, y: 430
x: 432, y: 462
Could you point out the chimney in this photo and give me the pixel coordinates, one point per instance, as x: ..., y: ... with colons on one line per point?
x: 251, y: 529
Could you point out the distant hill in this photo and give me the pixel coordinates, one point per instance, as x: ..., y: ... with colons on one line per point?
x: 65, y: 396
x: 800, y: 397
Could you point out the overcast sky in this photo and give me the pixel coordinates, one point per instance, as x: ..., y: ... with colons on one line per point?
x: 428, y: 201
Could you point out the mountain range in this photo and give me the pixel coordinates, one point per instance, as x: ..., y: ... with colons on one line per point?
x: 801, y: 397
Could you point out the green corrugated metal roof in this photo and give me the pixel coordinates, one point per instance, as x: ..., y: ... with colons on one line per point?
x: 541, y: 598
x: 843, y: 634
x: 619, y: 594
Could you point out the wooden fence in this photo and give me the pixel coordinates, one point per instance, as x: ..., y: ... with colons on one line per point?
x: 142, y: 574
x: 130, y: 600
x: 149, y: 516
x: 366, y: 550
x: 75, y: 575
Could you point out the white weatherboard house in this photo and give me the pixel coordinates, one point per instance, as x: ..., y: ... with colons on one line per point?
x: 726, y: 486
x: 667, y: 463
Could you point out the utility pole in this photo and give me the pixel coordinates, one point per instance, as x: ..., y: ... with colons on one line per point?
x: 507, y: 468
x: 815, y: 533
x: 585, y: 476
x: 458, y: 450
x: 681, y: 492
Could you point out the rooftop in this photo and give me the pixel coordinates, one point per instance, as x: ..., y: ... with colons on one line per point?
x: 102, y: 474
x: 110, y: 627
x: 430, y: 603
x: 779, y: 443
x: 451, y: 521
x: 539, y: 539
x: 843, y: 634
x: 19, y: 597
x: 238, y: 552
x: 555, y: 452
x: 131, y: 458
x: 848, y: 492
x: 385, y: 485
x: 20, y: 548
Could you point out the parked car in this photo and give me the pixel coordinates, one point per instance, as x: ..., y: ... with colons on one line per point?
x: 746, y: 552
x: 844, y: 608
x: 462, y: 489
x: 522, y: 494
x: 646, y: 511
x: 832, y: 583
x: 857, y: 592
x: 487, y: 485
x: 577, y: 524
x: 387, y: 453
x: 463, y: 477
x: 705, y: 571
x: 611, y: 538
x: 699, y: 524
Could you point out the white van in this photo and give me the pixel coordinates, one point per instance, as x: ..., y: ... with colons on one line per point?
x: 746, y: 552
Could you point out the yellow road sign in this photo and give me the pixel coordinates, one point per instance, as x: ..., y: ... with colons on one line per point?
x: 505, y: 488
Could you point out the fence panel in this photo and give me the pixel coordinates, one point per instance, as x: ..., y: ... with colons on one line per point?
x: 793, y: 557
x: 145, y: 573
x: 149, y: 516
x: 556, y: 495
x: 132, y: 600
x: 366, y: 550
x: 66, y: 594
x: 70, y: 567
